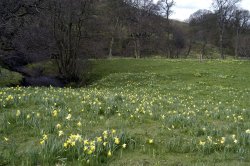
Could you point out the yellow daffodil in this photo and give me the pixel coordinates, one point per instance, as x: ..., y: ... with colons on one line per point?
x: 89, y: 152
x: 99, y: 139
x: 42, y: 142
x: 105, y: 143
x: 79, y: 124
x: 45, y: 137
x: 18, y: 113
x: 6, y: 139
x: 105, y: 134
x: 210, y: 139
x: 163, y: 116
x: 72, y: 143
x: 92, y: 148
x: 65, y: 145
x: 109, y: 153
x: 86, y: 142
x: 150, y: 141
x: 68, y: 116
x: 54, y: 113
x: 28, y: 116
x: 202, y: 143
x: 222, y: 141
x: 117, y: 140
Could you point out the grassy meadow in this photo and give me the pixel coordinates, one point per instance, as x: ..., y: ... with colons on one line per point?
x: 136, y: 112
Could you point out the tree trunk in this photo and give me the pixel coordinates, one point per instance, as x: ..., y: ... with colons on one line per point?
x: 203, y: 50
x: 222, y: 41
x: 113, y: 39
x: 221, y: 47
x: 70, y: 61
x: 137, y: 49
x: 189, y: 48
x: 111, y: 48
x: 237, y: 44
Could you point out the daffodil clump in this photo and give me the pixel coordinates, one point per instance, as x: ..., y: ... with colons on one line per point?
x: 89, y: 149
x: 211, y: 144
x: 44, y: 139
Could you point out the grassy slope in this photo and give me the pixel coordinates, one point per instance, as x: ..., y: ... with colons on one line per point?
x: 175, y: 103
x: 8, y: 78
x: 225, y: 73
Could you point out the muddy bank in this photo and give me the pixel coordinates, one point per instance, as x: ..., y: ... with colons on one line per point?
x: 36, y: 78
x: 31, y: 77
x: 42, y: 81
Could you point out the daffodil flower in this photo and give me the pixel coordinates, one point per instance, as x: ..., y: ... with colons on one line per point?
x: 117, y: 141
x: 109, y: 153
x: 150, y: 141
x: 124, y: 146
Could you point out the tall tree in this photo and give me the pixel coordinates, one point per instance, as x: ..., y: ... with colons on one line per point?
x: 165, y: 8
x: 202, y: 23
x: 139, y: 13
x: 115, y: 11
x: 240, y: 21
x: 224, y: 9
x: 68, y: 22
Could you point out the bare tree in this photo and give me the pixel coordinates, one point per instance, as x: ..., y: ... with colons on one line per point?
x: 12, y: 9
x: 12, y: 14
x: 224, y: 10
x: 68, y: 19
x: 115, y: 14
x: 140, y: 10
x: 244, y: 48
x: 240, y: 21
x: 202, y: 23
x: 165, y: 8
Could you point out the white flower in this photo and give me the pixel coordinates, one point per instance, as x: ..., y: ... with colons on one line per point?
x: 124, y: 146
x: 58, y: 126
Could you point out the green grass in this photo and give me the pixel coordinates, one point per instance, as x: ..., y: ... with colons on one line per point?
x: 8, y: 78
x: 194, y: 114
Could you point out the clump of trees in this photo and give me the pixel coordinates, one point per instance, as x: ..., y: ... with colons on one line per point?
x: 227, y: 27
x: 69, y: 31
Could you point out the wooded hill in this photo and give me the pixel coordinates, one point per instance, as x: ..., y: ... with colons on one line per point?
x: 66, y: 30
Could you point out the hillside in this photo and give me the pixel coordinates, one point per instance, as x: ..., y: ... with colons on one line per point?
x: 69, y: 33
